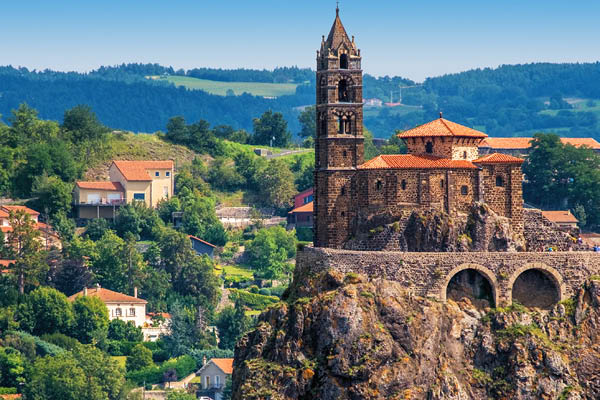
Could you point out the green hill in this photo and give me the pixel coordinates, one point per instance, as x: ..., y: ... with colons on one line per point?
x: 221, y: 88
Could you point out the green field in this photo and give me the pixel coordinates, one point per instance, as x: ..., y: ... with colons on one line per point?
x: 221, y: 88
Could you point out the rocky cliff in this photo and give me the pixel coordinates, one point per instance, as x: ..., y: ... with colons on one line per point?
x: 346, y: 337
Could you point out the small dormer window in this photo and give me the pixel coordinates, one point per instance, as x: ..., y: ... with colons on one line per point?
x: 157, y: 173
x: 429, y: 148
x: 344, y: 61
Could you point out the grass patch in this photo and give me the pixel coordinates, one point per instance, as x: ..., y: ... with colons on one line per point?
x: 235, y: 273
x: 254, y: 301
x: 221, y: 88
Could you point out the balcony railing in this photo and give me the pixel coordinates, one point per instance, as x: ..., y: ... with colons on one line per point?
x: 101, y: 202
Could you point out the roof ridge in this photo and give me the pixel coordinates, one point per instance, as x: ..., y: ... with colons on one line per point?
x: 446, y: 125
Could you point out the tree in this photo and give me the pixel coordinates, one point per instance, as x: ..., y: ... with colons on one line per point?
x: 232, y: 323
x: 46, y: 310
x: 184, y: 334
x: 53, y: 195
x: 169, y: 376
x: 81, y: 124
x: 24, y: 242
x: 124, y: 331
x: 96, y: 228
x: 12, y: 367
x: 85, y: 373
x: 128, y: 220
x: 91, y: 316
x: 271, y: 127
x: 269, y: 251
x: 197, y: 279
x: 308, y: 122
x: 276, y: 184
x: 140, y: 357
x: 180, y: 395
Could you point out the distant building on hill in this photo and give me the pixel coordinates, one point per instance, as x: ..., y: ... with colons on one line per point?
x: 202, y: 247
x: 145, y: 181
x: 301, y: 217
x: 48, y: 237
x: 520, y: 146
x: 213, y: 376
x: 564, y: 219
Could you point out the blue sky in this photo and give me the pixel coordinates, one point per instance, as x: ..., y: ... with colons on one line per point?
x: 413, y: 39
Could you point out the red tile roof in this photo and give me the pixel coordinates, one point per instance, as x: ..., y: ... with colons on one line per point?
x: 108, y: 296
x: 560, y: 216
x: 112, y: 186
x: 6, y: 263
x: 521, y: 143
x: 225, y: 364
x: 16, y: 208
x: 308, y: 207
x: 441, y: 127
x: 137, y: 170
x: 411, y: 161
x: 202, y: 241
x: 498, y: 158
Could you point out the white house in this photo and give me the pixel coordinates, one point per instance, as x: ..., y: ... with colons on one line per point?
x: 120, y: 306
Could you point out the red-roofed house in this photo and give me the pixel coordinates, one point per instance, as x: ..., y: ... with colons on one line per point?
x: 120, y: 306
x: 520, y: 146
x: 202, y: 247
x: 48, y: 237
x: 301, y: 217
x: 564, y: 219
x: 213, y: 375
x: 147, y: 181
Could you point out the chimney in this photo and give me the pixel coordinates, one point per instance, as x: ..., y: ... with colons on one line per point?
x: 85, y: 291
x: 203, y: 360
x: 135, y: 292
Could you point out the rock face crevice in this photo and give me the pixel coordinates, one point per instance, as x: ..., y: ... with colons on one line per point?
x: 351, y: 338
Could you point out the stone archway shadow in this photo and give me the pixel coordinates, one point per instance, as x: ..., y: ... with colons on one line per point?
x: 550, y: 272
x: 487, y: 273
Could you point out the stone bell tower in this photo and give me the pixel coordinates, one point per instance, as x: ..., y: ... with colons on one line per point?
x: 339, y: 145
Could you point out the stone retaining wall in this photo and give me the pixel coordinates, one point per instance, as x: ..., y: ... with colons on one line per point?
x: 428, y: 274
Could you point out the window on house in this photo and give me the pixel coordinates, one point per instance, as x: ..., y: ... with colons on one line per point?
x: 344, y: 61
x: 118, y: 312
x: 132, y: 312
x: 217, y: 380
x: 403, y: 184
x: 139, y: 196
x: 165, y: 192
x: 499, y: 181
x: 429, y: 147
x: 168, y: 173
x: 206, y: 382
x: 464, y: 190
x: 157, y: 173
x: 378, y: 185
x: 308, y: 199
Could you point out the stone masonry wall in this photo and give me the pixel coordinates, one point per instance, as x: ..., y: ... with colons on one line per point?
x: 428, y: 274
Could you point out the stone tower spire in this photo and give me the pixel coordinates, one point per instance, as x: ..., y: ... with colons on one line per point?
x: 339, y: 148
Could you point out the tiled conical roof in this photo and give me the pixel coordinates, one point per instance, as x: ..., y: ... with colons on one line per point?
x: 338, y: 34
x: 441, y: 127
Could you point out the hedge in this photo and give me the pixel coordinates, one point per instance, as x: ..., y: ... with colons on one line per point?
x: 183, y: 365
x: 42, y: 347
x: 253, y: 300
x: 8, y: 390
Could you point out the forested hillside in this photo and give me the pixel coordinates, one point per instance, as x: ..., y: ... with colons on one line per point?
x: 506, y: 101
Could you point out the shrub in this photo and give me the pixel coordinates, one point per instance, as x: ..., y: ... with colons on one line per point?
x: 42, y: 347
x: 253, y: 289
x: 61, y: 340
x: 252, y: 300
x: 140, y: 357
x: 264, y: 292
x: 183, y: 366
x: 278, y: 291
x: 8, y: 390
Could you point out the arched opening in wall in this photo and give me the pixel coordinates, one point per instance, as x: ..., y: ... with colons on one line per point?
x: 429, y: 147
x: 343, y: 191
x: 343, y: 91
x: 536, y: 288
x: 341, y: 123
x: 403, y: 184
x: 324, y: 126
x: 473, y: 285
x: 344, y: 61
x: 499, y: 181
x: 344, y: 154
x: 378, y: 185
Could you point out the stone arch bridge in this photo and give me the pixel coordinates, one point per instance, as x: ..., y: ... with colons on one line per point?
x: 430, y: 274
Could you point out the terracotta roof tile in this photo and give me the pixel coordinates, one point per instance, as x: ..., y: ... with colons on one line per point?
x: 137, y: 170
x: 441, y: 127
x: 16, y: 208
x: 225, y: 364
x: 112, y: 186
x: 202, y: 241
x: 6, y: 263
x: 308, y: 207
x: 108, y: 296
x: 521, y: 143
x: 410, y: 161
x: 560, y: 216
x: 498, y: 158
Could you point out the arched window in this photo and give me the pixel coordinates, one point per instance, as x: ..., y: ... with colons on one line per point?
x: 344, y: 61
x: 499, y: 181
x: 343, y: 91
x: 348, y: 127
x: 403, y: 184
x: 324, y: 126
x: 341, y: 123
x: 429, y: 147
x: 464, y: 190
x: 378, y: 184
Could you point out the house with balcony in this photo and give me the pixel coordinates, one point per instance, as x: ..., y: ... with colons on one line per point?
x: 145, y: 181
x: 212, y: 377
